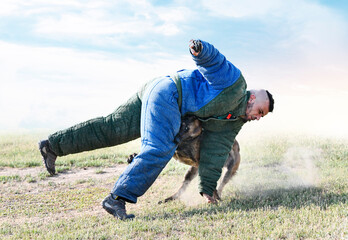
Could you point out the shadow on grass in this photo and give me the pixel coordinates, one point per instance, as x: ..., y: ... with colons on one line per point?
x: 294, y: 198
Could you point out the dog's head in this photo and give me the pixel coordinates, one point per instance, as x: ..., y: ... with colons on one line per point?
x: 190, y: 128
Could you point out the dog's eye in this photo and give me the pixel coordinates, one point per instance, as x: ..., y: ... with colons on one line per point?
x: 186, y: 129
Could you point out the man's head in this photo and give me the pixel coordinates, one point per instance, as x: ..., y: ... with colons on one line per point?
x: 260, y: 103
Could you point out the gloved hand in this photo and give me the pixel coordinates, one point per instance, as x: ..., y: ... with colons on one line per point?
x: 195, y: 47
x: 209, y: 199
x: 212, y: 199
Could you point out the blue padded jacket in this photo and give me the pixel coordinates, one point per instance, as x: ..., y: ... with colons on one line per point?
x: 214, y: 90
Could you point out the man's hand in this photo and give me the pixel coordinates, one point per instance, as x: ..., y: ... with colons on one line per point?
x: 195, y: 47
x: 209, y: 199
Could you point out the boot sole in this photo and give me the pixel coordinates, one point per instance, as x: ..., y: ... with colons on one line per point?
x: 44, y: 156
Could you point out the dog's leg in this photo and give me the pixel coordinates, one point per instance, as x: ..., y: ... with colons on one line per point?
x: 232, y: 165
x: 189, y: 176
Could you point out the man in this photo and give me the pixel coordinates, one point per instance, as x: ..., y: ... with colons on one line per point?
x: 215, y: 93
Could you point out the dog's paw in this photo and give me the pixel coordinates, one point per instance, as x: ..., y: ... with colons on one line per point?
x: 166, y: 200
x: 131, y: 157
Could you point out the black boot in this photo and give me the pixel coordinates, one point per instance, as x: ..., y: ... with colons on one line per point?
x: 116, y: 207
x: 48, y: 156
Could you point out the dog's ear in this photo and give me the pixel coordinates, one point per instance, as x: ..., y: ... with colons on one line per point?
x: 188, y: 116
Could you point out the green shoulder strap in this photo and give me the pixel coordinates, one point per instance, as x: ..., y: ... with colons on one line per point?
x: 177, y: 82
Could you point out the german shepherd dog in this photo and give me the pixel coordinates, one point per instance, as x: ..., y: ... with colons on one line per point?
x: 187, y: 152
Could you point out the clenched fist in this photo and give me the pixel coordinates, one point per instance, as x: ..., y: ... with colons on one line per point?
x: 195, y: 47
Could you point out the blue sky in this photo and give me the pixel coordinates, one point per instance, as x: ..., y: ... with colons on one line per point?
x: 63, y: 62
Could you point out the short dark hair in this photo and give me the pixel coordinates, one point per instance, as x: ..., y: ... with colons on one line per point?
x: 271, y: 101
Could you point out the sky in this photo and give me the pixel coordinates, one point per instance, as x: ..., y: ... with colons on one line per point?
x: 63, y: 62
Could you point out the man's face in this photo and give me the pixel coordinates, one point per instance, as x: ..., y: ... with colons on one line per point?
x: 258, y: 105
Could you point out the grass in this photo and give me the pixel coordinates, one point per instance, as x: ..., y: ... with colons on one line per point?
x: 286, y: 188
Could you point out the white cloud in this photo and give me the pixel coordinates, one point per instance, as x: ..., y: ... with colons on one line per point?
x: 136, y: 18
x: 33, y: 7
x: 50, y: 87
x: 308, y: 43
x: 81, y: 19
x: 246, y: 8
x: 9, y: 7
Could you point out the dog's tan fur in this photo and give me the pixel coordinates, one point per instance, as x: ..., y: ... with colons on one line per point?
x: 187, y: 152
x: 189, y: 146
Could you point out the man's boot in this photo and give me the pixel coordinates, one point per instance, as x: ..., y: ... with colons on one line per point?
x: 116, y: 207
x: 48, y: 156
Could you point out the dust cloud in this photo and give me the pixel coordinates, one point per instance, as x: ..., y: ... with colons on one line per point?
x: 297, y: 169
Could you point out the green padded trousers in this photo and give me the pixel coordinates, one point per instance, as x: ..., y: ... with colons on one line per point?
x: 100, y: 132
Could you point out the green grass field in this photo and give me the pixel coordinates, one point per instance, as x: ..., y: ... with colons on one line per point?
x: 286, y: 188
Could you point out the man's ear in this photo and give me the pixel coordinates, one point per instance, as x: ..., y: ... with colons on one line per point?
x: 252, y: 98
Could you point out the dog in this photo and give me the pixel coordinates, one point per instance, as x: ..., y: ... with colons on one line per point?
x: 187, y: 152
